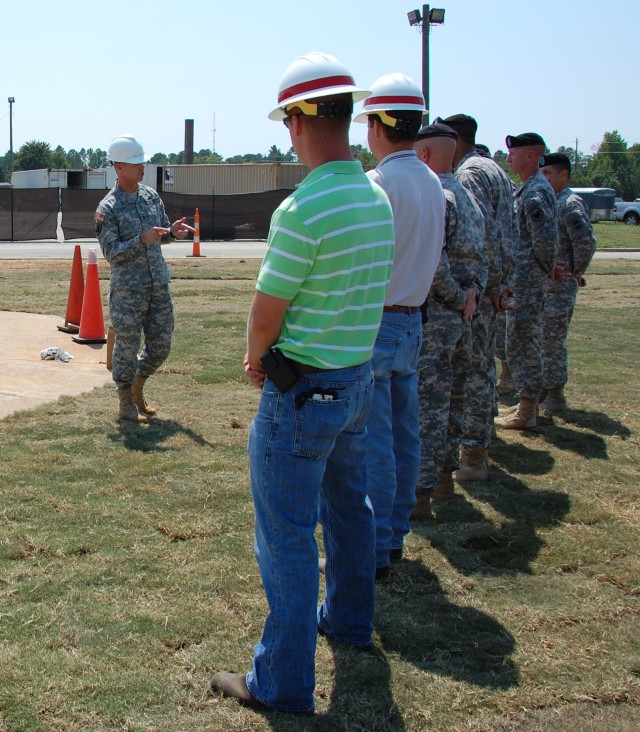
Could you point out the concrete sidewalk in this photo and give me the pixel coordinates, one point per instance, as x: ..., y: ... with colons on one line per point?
x: 26, y: 381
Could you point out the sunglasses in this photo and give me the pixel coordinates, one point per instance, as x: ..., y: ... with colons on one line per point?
x: 287, y: 120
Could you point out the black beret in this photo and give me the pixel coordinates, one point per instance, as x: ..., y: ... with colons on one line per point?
x: 483, y: 150
x: 555, y: 159
x: 526, y: 139
x: 460, y: 122
x: 436, y: 130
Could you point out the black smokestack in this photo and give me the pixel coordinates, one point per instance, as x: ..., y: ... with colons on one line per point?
x: 188, y: 141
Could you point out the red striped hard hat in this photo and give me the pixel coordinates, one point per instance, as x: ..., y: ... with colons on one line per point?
x: 392, y: 93
x: 314, y: 75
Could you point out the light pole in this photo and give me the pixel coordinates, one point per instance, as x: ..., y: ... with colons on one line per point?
x: 429, y: 17
x: 11, y: 100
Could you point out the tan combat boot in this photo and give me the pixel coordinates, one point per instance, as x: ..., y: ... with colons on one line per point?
x: 444, y: 488
x: 555, y: 402
x: 128, y: 409
x: 422, y: 509
x: 506, y: 386
x: 138, y: 396
x: 474, y: 464
x: 523, y: 418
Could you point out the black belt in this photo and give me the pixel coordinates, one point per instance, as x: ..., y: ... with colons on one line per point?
x: 401, y: 309
x: 305, y: 368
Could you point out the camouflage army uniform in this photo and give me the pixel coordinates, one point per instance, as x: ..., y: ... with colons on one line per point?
x: 535, y: 204
x: 493, y: 191
x: 576, y: 246
x: 446, y: 347
x: 139, y: 297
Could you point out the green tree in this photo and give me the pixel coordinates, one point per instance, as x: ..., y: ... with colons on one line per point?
x: 290, y: 155
x: 4, y: 167
x: 98, y: 159
x: 59, y: 158
x: 74, y: 160
x: 159, y: 159
x: 33, y: 155
x: 363, y: 154
x: 612, y: 167
x: 246, y: 158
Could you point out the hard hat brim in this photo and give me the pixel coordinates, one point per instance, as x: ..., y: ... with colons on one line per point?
x: 278, y: 114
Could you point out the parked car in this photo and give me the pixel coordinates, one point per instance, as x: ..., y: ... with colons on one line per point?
x: 627, y: 211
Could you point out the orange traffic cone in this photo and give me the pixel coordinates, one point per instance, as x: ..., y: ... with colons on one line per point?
x: 92, y: 320
x: 196, y: 236
x: 76, y: 295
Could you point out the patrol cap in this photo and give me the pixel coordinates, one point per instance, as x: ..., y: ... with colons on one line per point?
x: 526, y: 139
x: 559, y: 159
x: 462, y: 123
x: 436, y: 130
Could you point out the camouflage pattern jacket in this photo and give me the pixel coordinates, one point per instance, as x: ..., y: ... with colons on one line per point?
x: 535, y: 204
x: 576, y: 245
x: 491, y: 187
x: 120, y: 219
x: 463, y: 261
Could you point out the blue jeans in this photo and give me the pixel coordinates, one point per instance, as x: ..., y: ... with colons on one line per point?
x: 307, y: 462
x: 393, y: 429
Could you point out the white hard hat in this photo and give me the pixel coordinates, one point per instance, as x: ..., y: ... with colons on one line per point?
x: 392, y: 93
x: 126, y: 149
x: 314, y: 75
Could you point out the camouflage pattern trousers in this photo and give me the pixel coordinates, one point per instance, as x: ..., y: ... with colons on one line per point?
x: 480, y: 391
x: 501, y: 336
x: 555, y: 326
x: 134, y: 312
x: 524, y: 343
x: 442, y: 372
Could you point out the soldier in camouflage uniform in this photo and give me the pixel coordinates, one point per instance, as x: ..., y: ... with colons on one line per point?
x: 576, y: 247
x: 535, y: 204
x: 492, y: 189
x: 131, y: 224
x: 445, y: 356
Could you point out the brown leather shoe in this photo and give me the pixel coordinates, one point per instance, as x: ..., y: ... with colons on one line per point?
x: 235, y: 685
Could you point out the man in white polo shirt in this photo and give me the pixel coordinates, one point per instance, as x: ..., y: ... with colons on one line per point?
x: 394, y: 115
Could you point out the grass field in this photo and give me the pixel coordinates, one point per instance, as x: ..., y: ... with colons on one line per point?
x: 127, y: 574
x: 614, y: 234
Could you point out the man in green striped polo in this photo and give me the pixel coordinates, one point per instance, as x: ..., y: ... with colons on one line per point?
x: 319, y: 300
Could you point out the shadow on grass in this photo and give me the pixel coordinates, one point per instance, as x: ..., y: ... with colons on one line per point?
x: 597, y: 422
x: 584, y: 444
x: 361, y: 698
x: 416, y: 620
x: 148, y: 437
x: 474, y: 545
x: 519, y: 458
x: 362, y: 692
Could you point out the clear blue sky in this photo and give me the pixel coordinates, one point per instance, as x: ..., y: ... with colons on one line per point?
x: 82, y: 73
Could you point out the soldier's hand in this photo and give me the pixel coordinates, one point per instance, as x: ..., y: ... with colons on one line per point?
x: 470, y: 304
x: 561, y: 272
x: 153, y: 235
x: 180, y: 229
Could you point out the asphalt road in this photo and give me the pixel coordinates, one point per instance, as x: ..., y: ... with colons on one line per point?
x: 241, y: 249
x: 52, y: 249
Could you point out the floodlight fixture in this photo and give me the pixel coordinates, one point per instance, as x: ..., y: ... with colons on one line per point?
x: 436, y: 16
x: 414, y: 17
